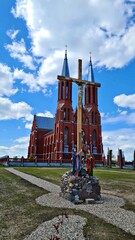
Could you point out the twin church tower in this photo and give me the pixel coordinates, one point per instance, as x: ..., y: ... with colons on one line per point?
x: 52, y: 139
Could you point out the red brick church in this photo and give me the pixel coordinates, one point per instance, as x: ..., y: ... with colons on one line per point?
x: 52, y: 139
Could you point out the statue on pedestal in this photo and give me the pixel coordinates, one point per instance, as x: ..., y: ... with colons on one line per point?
x: 90, y: 163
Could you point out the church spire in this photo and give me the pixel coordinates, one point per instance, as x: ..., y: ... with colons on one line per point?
x: 90, y: 71
x: 65, y: 69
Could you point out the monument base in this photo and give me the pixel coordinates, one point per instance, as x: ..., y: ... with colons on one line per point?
x: 79, y: 188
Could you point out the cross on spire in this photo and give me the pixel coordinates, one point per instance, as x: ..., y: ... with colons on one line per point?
x: 90, y: 55
x: 66, y: 51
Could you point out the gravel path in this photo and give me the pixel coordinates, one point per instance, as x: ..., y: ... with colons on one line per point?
x: 109, y: 210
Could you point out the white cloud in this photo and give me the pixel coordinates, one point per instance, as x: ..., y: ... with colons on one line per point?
x: 11, y: 110
x: 122, y: 112
x: 48, y: 71
x: 28, y: 125
x: 17, y: 47
x: 18, y: 50
x: 12, y: 33
x: 45, y: 114
x: 106, y: 29
x: 123, y: 138
x: 123, y: 100
x: 6, y: 81
x: 123, y: 117
x: 47, y: 92
x: 28, y: 79
x: 22, y: 140
x: 36, y: 82
x: 20, y: 149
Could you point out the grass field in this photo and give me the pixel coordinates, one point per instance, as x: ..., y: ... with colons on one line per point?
x: 19, y: 213
x: 117, y: 182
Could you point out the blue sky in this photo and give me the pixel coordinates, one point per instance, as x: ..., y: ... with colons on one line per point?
x: 33, y: 35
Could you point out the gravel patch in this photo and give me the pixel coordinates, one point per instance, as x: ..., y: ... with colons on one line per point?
x: 109, y: 210
x: 70, y: 229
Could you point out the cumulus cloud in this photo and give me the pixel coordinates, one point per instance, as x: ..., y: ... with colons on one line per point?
x: 19, y: 149
x: 27, y: 79
x: 11, y: 110
x: 18, y: 50
x: 22, y: 140
x: 28, y: 125
x: 122, y: 117
x: 48, y: 70
x: 12, y: 33
x: 122, y: 112
x: 6, y: 81
x: 45, y: 114
x: 123, y: 100
x: 108, y: 31
x: 123, y: 138
x: 35, y: 82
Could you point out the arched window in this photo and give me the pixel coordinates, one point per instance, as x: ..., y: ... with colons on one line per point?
x: 96, y: 121
x: 93, y: 118
x: 62, y: 90
x: 66, y: 136
x: 89, y: 95
x: 68, y: 114
x: 93, y: 94
x: 66, y: 139
x: 94, y: 138
x: 66, y: 90
x: 64, y: 113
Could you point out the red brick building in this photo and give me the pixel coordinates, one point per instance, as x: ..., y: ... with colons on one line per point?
x: 52, y: 139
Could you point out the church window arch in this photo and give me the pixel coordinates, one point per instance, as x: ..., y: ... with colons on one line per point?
x: 89, y: 94
x: 66, y: 136
x: 62, y: 90
x: 64, y: 113
x: 67, y: 88
x: 66, y: 133
x: 94, y: 138
x: 93, y: 94
x: 68, y: 114
x: 96, y: 120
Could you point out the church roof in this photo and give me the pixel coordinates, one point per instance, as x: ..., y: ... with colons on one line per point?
x: 90, y: 72
x: 45, y: 123
x: 65, y: 69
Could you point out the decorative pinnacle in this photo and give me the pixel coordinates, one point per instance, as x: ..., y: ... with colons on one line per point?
x: 90, y: 56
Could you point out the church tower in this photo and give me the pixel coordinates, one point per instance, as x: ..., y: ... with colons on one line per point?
x: 64, y: 115
x: 91, y: 106
x: 52, y: 139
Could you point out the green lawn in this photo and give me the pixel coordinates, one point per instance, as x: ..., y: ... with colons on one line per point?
x: 19, y: 213
x: 120, y: 183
